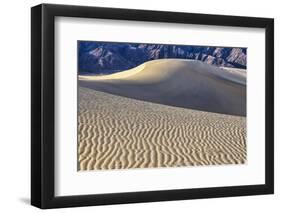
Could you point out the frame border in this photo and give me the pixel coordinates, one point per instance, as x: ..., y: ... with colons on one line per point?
x: 43, y: 114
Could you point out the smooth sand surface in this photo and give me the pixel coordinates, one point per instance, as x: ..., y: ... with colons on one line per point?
x: 116, y: 132
x: 178, y: 82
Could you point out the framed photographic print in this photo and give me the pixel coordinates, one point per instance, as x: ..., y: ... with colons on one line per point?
x: 140, y: 106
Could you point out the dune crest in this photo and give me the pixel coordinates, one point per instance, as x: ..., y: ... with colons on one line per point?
x: 178, y: 82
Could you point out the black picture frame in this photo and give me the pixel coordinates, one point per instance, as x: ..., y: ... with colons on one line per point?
x: 43, y: 111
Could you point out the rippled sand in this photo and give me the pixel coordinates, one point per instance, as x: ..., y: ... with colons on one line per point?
x: 116, y: 132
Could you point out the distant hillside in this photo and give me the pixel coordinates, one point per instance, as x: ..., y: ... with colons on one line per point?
x: 109, y: 57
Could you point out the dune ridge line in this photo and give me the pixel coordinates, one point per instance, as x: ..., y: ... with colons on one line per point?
x: 178, y: 82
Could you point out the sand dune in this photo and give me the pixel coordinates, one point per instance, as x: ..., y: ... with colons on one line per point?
x: 178, y: 82
x: 119, y: 133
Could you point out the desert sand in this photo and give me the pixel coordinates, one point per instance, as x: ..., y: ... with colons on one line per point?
x: 178, y: 82
x: 120, y: 133
x: 129, y: 119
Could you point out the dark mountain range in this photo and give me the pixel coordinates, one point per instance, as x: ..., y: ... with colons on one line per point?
x: 109, y: 57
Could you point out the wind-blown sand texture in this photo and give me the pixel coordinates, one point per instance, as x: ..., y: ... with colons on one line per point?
x: 117, y: 131
x: 121, y: 133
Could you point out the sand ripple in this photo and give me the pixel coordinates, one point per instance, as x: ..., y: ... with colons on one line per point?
x: 119, y: 133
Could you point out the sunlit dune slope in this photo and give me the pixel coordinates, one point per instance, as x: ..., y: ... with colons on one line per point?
x: 178, y: 82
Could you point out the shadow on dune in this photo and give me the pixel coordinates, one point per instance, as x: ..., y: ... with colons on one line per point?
x: 176, y: 82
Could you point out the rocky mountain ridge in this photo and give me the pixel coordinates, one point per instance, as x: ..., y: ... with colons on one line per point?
x: 108, y: 57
